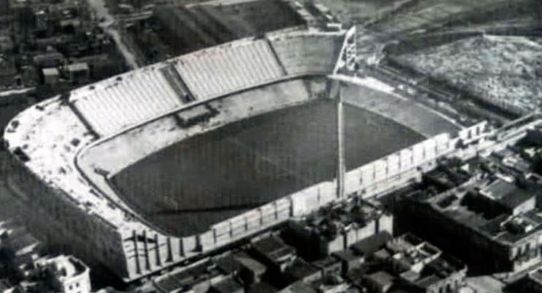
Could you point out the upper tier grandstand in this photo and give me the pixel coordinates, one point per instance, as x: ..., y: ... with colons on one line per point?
x: 125, y: 100
x: 229, y: 68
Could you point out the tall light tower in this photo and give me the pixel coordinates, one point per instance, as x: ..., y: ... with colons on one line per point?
x: 341, y: 168
x: 346, y: 62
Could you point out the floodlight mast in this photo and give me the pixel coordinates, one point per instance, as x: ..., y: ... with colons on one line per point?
x: 346, y: 61
x: 341, y: 168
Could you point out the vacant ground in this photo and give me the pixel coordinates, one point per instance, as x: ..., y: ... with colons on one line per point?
x: 189, y: 186
x: 249, y: 18
x: 496, y: 68
x: 177, y: 29
x: 360, y: 11
x: 422, y: 15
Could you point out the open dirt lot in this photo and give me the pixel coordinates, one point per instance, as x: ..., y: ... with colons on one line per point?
x: 489, y: 67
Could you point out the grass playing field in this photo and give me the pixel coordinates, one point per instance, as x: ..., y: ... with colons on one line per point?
x: 189, y: 186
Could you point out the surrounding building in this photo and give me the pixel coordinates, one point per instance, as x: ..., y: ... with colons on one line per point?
x: 333, y: 230
x: 64, y: 274
x: 26, y: 267
x: 488, y: 203
x: 378, y: 263
x: 409, y: 264
x: 46, y: 36
x: 532, y: 282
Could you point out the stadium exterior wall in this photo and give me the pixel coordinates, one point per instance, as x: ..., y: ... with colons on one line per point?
x: 58, y: 219
x: 132, y: 253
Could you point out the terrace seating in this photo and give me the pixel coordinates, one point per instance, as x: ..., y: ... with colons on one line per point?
x: 228, y: 68
x: 126, y: 101
x: 115, y: 104
x: 307, y: 54
x: 275, y: 96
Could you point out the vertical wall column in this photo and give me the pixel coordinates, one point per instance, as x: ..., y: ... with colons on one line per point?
x: 136, y: 252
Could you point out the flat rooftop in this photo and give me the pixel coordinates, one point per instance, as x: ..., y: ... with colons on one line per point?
x: 498, y: 201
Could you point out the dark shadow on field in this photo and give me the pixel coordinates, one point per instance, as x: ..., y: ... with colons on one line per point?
x: 189, y: 186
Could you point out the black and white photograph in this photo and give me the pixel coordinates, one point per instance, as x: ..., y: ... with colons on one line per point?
x: 271, y: 146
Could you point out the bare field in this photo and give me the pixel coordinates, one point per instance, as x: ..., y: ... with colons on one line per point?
x: 360, y: 11
x: 412, y: 16
x: 493, y: 68
x: 189, y: 186
x: 177, y: 29
x: 424, y: 15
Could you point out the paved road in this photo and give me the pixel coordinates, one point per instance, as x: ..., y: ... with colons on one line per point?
x: 109, y: 26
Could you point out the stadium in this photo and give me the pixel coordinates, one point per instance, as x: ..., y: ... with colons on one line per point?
x: 172, y: 161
